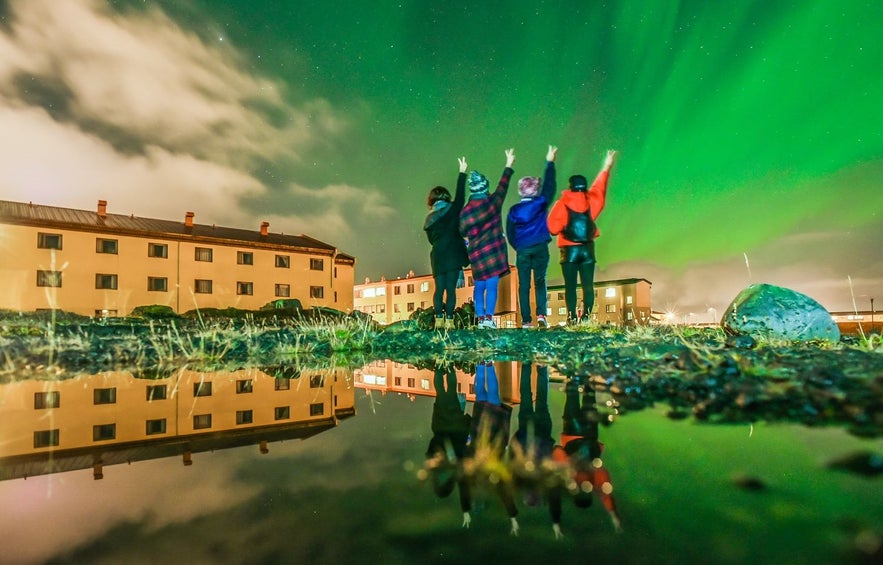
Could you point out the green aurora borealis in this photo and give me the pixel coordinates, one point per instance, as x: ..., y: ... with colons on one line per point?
x: 739, y: 124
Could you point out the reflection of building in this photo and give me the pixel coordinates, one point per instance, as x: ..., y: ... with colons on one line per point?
x: 100, y: 420
x: 95, y: 263
x: 389, y: 301
x: 622, y: 302
x: 390, y: 376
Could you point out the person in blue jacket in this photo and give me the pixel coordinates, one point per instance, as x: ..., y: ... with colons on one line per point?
x: 528, y: 233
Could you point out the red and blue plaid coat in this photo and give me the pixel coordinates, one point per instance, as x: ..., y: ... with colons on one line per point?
x: 481, y: 223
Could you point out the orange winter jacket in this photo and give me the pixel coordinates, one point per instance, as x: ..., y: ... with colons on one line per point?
x: 593, y: 199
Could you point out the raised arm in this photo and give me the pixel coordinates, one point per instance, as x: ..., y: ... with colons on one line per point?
x: 460, y: 194
x: 549, y: 182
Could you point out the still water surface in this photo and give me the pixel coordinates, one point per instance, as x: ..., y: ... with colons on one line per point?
x: 329, y: 466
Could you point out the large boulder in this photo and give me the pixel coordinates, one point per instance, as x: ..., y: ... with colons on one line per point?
x: 774, y: 311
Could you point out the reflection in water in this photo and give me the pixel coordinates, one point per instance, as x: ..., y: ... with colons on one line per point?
x: 101, y: 420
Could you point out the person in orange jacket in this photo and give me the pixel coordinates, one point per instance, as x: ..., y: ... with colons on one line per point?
x: 572, y: 219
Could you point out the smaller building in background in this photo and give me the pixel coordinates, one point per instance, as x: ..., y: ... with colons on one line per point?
x: 620, y: 302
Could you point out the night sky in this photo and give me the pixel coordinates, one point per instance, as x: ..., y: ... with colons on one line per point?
x: 750, y: 134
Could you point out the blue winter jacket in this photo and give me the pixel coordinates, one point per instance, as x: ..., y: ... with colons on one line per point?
x: 526, y: 221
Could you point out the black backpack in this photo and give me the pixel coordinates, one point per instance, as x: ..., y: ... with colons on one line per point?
x: 580, y: 228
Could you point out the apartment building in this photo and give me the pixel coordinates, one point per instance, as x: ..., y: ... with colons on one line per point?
x: 100, y: 264
x: 621, y: 302
x: 112, y: 418
x: 388, y: 301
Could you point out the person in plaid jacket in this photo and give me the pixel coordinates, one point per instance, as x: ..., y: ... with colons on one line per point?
x: 482, y: 225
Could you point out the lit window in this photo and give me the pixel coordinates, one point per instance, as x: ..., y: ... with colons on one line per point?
x: 369, y: 292
x: 244, y: 258
x: 317, y: 292
x: 50, y: 399
x: 49, y: 240
x: 106, y: 246
x: 283, y: 290
x: 424, y: 286
x: 317, y: 264
x: 562, y: 311
x: 105, y: 395
x: 244, y: 417
x: 156, y: 427
x: 202, y: 286
x: 106, y: 282
x: 610, y: 308
x: 49, y: 278
x: 629, y: 315
x: 610, y: 292
x: 160, y: 250
x: 157, y: 284
x: 245, y: 288
x: 381, y: 291
x: 203, y: 254
x: 629, y: 299
x: 104, y: 432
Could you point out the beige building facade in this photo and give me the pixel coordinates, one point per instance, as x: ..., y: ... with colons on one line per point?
x: 621, y: 302
x: 100, y: 264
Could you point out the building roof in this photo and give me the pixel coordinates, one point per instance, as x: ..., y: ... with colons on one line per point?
x: 30, y: 214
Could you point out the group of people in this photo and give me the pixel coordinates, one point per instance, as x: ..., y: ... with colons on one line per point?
x: 470, y: 232
x: 473, y: 451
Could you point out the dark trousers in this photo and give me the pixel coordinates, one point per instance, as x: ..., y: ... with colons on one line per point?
x: 578, y: 261
x: 444, y: 299
x: 532, y: 261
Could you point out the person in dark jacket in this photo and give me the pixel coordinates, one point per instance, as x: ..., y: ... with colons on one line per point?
x: 481, y: 223
x: 528, y: 233
x: 448, y: 254
x: 572, y: 219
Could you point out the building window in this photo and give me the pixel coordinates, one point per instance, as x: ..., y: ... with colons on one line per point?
x: 317, y: 264
x: 203, y: 254
x: 202, y: 286
x: 317, y: 409
x: 244, y: 386
x: 629, y: 315
x: 381, y: 308
x: 397, y: 308
x: 49, y: 278
x: 244, y: 258
x: 157, y: 284
x: 245, y: 288
x: 156, y: 392
x: 410, y: 288
x: 104, y: 432
x: 202, y: 421
x: 411, y: 382
x: 46, y: 438
x: 202, y: 389
x: 160, y: 250
x: 610, y: 308
x: 410, y: 306
x: 106, y: 246
x: 244, y: 417
x: 424, y: 286
x: 397, y: 290
x: 316, y: 381
x: 282, y: 412
x: 283, y: 290
x: 104, y: 313
x: 104, y: 395
x: 381, y: 291
x: 317, y: 292
x: 282, y: 384
x: 397, y: 381
x: 283, y: 261
x: 49, y: 240
x: 156, y: 427
x: 628, y: 300
x: 105, y: 281
x: 562, y: 311
x: 610, y: 292
x: 50, y: 399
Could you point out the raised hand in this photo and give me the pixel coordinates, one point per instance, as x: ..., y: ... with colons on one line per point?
x: 608, y: 160
x: 462, y: 161
x: 510, y: 157
x: 552, y: 153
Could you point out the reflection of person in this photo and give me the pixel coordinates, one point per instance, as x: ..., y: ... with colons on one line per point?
x: 580, y: 450
x: 447, y: 448
x: 572, y: 219
x: 533, y: 438
x: 448, y: 254
x: 481, y: 224
x: 528, y: 233
x: 489, y: 435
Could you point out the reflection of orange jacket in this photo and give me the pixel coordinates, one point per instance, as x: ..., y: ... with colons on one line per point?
x: 592, y: 200
x: 598, y: 477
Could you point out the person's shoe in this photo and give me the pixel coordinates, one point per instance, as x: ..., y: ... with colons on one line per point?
x: 449, y: 323
x: 439, y: 322
x: 487, y: 322
x: 527, y: 325
x: 541, y: 322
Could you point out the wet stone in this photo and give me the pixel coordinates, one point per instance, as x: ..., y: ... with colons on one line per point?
x: 776, y: 312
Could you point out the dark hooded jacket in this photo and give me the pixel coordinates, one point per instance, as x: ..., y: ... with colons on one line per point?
x: 442, y: 227
x: 526, y: 222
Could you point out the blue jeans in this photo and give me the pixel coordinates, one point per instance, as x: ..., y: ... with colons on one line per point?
x: 532, y: 261
x: 485, y: 295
